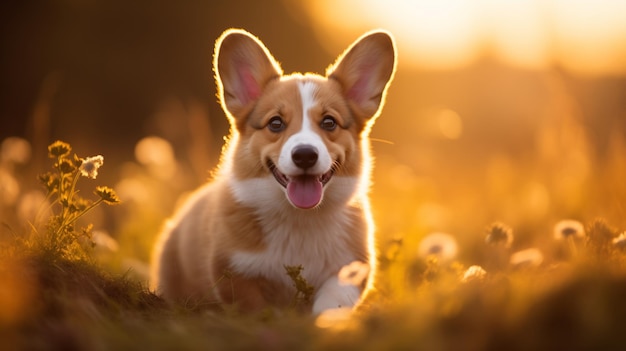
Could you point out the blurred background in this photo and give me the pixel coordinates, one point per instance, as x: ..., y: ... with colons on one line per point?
x: 511, y: 111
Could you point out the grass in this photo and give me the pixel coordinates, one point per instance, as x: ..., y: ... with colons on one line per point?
x: 60, y: 296
x: 76, y: 306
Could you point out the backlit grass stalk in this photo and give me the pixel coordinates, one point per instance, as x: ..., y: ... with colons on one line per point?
x: 63, y: 239
x: 304, y: 291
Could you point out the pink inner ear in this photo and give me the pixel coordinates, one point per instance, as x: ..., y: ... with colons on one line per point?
x: 250, y: 89
x: 360, y: 91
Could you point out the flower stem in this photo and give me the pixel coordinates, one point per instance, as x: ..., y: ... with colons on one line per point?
x: 83, y: 212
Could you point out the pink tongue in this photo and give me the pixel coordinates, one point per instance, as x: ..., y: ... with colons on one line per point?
x: 305, y: 192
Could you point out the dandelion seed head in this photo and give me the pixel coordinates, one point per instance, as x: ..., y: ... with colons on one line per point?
x: 568, y: 228
x: 90, y: 165
x: 528, y: 258
x: 499, y: 234
x: 440, y: 245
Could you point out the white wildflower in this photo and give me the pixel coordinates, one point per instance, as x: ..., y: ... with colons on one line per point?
x: 335, y: 318
x: 474, y: 273
x: 620, y: 241
x: 354, y: 273
x: 527, y: 258
x: 440, y: 245
x: 90, y: 165
x: 569, y: 228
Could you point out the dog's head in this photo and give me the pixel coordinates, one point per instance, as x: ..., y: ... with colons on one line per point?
x: 299, y: 133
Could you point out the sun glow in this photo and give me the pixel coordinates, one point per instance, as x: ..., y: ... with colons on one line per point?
x: 583, y: 36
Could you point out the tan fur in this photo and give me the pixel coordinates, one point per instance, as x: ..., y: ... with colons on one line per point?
x: 230, y: 223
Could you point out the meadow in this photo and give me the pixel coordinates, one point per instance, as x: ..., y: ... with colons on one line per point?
x: 498, y: 186
x: 69, y: 285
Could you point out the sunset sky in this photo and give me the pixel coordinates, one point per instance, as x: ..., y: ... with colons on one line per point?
x: 586, y: 37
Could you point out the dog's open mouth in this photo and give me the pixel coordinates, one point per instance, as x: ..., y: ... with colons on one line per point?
x: 304, y: 191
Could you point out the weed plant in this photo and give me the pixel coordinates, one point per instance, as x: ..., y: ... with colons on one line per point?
x: 568, y: 294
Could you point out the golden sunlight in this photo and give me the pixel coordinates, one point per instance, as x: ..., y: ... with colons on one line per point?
x: 437, y: 34
x: 583, y: 36
x: 450, y: 124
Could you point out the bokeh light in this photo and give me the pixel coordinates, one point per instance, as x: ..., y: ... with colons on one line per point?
x: 506, y: 112
x: 584, y: 36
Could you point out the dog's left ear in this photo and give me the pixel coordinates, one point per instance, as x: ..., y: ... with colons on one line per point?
x: 365, y: 70
x: 243, y: 66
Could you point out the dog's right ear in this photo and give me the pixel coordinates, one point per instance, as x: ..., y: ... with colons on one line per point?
x: 243, y: 66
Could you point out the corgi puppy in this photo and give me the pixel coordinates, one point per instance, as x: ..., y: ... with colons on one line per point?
x: 291, y: 186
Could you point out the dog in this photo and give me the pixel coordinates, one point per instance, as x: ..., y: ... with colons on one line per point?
x: 291, y: 186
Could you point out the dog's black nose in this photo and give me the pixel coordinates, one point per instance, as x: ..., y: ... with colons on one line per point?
x: 304, y: 156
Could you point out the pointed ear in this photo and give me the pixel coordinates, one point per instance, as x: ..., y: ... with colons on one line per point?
x: 243, y: 66
x: 365, y: 70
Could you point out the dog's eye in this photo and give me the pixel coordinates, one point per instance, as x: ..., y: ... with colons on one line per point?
x: 276, y: 124
x: 328, y: 123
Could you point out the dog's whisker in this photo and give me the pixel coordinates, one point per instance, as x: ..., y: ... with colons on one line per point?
x: 384, y: 141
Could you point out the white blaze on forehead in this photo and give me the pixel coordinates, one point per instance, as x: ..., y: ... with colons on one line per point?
x: 307, y: 135
x: 307, y: 94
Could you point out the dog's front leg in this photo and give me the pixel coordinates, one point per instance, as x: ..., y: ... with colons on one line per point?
x: 247, y: 294
x: 335, y: 294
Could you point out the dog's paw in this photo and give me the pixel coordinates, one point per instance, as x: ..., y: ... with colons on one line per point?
x: 335, y: 294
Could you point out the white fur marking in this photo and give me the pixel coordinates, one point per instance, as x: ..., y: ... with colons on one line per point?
x: 258, y: 192
x: 318, y: 243
x: 307, y: 94
x: 306, y: 136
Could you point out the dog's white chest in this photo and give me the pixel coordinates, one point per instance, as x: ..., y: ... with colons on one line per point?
x: 320, y: 248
